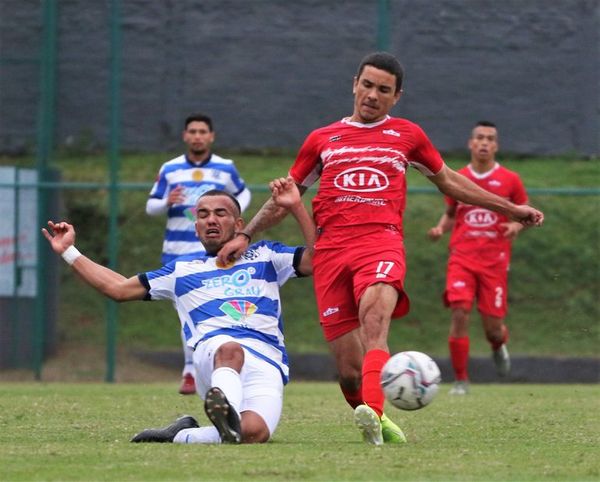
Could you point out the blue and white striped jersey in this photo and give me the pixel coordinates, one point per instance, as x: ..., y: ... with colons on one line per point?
x: 241, y: 300
x: 215, y: 173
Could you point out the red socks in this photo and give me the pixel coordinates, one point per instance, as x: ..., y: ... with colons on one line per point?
x: 459, y: 354
x: 372, y: 394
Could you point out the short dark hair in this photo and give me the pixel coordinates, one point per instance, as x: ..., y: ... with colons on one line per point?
x: 219, y: 192
x: 198, y: 118
x: 383, y: 61
x: 485, y: 123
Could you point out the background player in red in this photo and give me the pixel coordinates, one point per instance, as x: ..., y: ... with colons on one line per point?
x: 480, y: 248
x: 359, y: 264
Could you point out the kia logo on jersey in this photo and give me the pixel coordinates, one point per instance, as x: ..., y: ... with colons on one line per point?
x: 361, y: 179
x: 481, y: 218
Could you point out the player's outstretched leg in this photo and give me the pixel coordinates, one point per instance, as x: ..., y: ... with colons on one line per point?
x: 166, y: 434
x: 501, y: 360
x: 368, y: 422
x: 392, y: 434
x: 223, y: 416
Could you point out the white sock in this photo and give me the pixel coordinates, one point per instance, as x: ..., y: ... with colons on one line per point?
x: 200, y: 435
x: 188, y: 357
x: 230, y: 383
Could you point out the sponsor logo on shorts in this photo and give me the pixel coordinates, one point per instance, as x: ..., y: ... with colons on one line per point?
x: 330, y: 311
x: 361, y: 179
x: 459, y: 284
x: 481, y: 218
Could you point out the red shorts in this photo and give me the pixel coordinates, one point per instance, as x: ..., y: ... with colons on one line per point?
x: 468, y: 279
x: 342, y: 275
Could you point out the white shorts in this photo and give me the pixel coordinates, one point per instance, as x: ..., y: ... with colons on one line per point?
x: 262, y: 385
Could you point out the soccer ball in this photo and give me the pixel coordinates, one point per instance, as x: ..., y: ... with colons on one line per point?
x: 410, y: 380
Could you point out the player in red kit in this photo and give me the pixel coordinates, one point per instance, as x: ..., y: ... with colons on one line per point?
x: 359, y: 262
x: 480, y: 248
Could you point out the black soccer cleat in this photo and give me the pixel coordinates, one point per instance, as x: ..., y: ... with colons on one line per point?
x: 167, y: 434
x: 223, y: 416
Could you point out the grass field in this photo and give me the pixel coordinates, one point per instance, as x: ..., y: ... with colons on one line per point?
x: 497, y: 433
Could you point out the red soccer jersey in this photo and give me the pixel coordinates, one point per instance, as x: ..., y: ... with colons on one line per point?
x: 362, y: 169
x: 477, y: 231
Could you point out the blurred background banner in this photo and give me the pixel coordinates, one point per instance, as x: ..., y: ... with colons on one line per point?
x: 18, y: 233
x: 21, y: 336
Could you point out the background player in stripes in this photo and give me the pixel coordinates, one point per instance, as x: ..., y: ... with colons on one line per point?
x: 480, y: 250
x: 179, y: 183
x: 230, y: 314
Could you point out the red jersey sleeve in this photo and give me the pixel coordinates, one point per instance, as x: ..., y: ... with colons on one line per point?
x: 424, y: 156
x: 307, y: 166
x: 519, y: 194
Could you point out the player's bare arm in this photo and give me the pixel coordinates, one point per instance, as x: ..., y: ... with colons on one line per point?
x: 61, y: 237
x: 286, y: 194
x: 269, y: 215
x: 445, y: 224
x: 462, y: 189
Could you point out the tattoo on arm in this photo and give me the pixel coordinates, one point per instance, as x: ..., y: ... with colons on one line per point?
x: 269, y: 215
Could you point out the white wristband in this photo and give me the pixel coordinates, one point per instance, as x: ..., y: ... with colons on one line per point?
x: 71, y: 254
